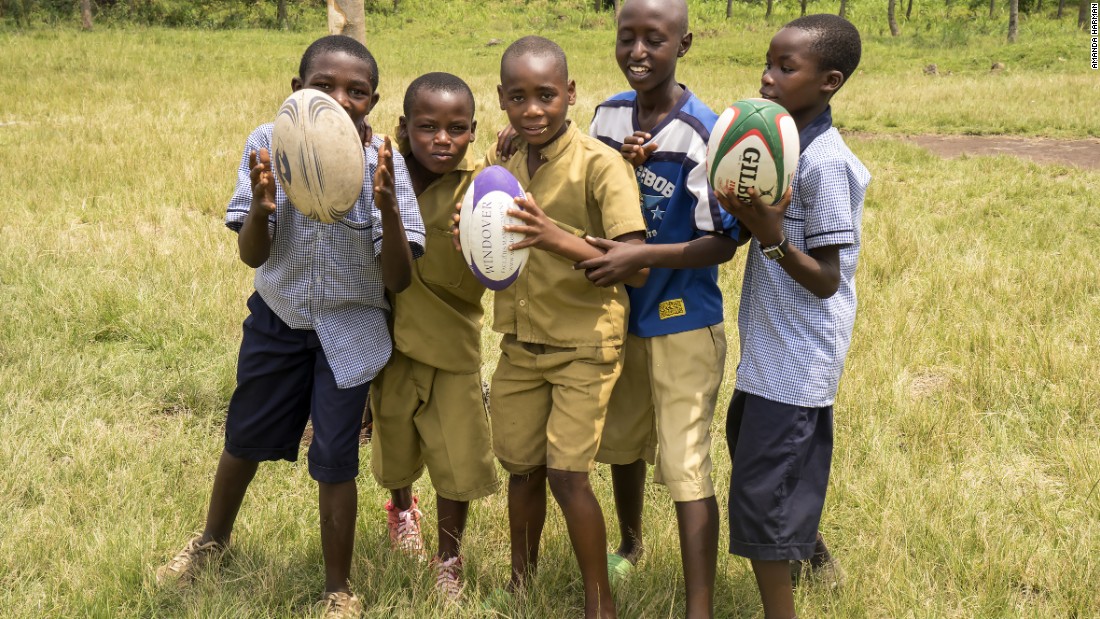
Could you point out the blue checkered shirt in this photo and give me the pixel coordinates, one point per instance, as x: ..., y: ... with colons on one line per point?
x: 328, y: 277
x: 793, y: 344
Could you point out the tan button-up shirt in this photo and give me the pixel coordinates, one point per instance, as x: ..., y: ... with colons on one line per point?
x: 586, y: 187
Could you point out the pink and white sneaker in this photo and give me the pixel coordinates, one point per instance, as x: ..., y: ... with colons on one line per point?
x: 448, y: 577
x: 404, y: 527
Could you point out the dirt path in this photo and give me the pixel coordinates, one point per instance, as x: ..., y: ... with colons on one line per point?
x: 1080, y: 153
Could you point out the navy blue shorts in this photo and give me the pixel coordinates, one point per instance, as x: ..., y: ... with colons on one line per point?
x: 283, y: 380
x: 781, y: 456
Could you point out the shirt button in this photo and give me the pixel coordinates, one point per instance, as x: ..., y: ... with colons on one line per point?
x: 522, y: 303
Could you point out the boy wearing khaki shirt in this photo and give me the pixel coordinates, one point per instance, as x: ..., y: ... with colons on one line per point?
x: 427, y: 402
x: 560, y: 355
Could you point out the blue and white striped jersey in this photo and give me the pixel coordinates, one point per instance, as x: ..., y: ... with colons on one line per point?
x: 678, y: 206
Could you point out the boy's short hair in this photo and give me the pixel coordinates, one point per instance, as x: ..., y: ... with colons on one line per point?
x: 675, y: 8
x: 339, y: 43
x: 835, y: 41
x: 533, y: 45
x: 436, y: 82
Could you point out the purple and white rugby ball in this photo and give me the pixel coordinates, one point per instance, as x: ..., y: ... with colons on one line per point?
x: 481, y: 228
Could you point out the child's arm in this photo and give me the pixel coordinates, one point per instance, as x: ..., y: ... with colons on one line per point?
x: 396, y: 254
x: 623, y: 260
x: 254, y: 239
x: 817, y: 271
x: 544, y: 234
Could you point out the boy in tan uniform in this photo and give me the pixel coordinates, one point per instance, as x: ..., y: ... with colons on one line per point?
x: 427, y: 402
x: 560, y: 355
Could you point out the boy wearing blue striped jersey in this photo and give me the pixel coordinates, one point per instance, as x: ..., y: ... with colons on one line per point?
x: 662, y: 407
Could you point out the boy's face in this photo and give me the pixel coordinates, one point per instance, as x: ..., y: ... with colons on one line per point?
x: 439, y: 128
x: 792, y: 75
x: 649, y: 42
x: 346, y: 79
x: 536, y: 94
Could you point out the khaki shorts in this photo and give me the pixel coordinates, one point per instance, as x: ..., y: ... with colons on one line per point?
x: 427, y: 416
x: 548, y: 404
x: 663, y: 405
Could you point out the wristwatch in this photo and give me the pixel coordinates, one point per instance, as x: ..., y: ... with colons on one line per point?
x: 777, y: 251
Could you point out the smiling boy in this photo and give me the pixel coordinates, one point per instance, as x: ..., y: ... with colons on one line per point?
x: 663, y: 405
x: 561, y: 350
x: 798, y: 306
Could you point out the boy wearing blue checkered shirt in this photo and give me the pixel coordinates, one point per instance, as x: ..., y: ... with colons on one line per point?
x: 317, y: 334
x: 797, y: 310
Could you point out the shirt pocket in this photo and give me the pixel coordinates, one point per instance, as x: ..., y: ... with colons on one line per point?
x: 354, y: 241
x: 441, y: 265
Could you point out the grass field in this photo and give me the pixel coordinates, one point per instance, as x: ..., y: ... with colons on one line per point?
x: 965, y: 479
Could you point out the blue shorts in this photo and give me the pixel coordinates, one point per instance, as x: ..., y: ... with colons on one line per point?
x: 780, y: 455
x: 283, y: 380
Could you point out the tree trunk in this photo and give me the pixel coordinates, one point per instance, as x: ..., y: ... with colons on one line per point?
x: 804, y: 7
x: 908, y: 10
x: 992, y: 4
x: 843, y: 8
x: 891, y: 19
x: 1061, y: 8
x: 768, y: 13
x: 1013, y: 19
x: 86, y: 15
x: 1038, y: 7
x: 347, y: 17
x: 729, y: 9
x: 1083, y: 15
x: 281, y: 19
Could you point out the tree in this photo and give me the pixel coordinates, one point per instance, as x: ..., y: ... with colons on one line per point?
x: 1083, y: 15
x: 992, y: 4
x: 891, y: 19
x: 1013, y: 19
x: 348, y: 17
x: 1061, y: 8
x: 280, y: 16
x: 768, y: 13
x: 843, y: 8
x: 908, y: 10
x: 729, y: 9
x: 86, y: 15
x: 804, y: 7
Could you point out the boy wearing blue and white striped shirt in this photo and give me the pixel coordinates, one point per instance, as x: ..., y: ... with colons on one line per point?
x: 317, y: 331
x: 798, y: 304
x: 662, y: 407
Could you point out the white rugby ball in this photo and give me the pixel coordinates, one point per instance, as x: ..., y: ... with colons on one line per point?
x: 318, y: 155
x: 481, y: 228
x: 753, y: 144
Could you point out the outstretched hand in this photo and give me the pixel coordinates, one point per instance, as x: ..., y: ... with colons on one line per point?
x: 764, y: 221
x: 619, y: 262
x: 385, y: 193
x: 635, y: 150
x: 263, y: 181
